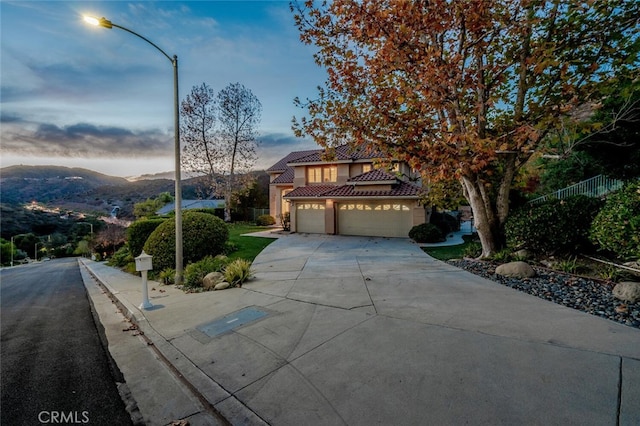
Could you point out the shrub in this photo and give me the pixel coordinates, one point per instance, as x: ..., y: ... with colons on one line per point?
x: 265, y: 220
x: 445, y: 222
x: 138, y: 232
x: 617, y: 227
x: 195, y: 272
x: 167, y: 276
x: 556, y: 226
x: 203, y: 235
x: 237, y: 272
x: 474, y: 249
x: 285, y: 221
x: 426, y: 233
x: 121, y: 258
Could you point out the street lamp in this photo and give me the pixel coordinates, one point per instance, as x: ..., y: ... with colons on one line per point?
x: 35, y: 251
x: 105, y: 23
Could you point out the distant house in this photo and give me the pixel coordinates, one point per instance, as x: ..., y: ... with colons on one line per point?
x: 347, y: 195
x: 190, y: 205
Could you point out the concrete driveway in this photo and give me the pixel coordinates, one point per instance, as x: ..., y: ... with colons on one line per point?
x: 373, y: 330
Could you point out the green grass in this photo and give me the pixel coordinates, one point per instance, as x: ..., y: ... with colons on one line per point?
x: 248, y: 247
x: 449, y: 252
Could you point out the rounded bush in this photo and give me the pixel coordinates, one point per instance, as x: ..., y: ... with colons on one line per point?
x: 202, y: 235
x: 265, y: 220
x: 138, y: 233
x: 556, y: 226
x: 617, y: 227
x: 426, y: 233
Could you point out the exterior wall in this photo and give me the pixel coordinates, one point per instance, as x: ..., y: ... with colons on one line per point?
x: 299, y: 176
x: 343, y: 174
x: 419, y: 214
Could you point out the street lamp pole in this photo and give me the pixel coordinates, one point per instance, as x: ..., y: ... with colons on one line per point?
x: 105, y: 23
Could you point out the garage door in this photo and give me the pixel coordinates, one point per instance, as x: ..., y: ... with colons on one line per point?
x: 375, y: 219
x: 310, y: 218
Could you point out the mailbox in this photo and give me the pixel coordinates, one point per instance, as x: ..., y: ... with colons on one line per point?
x: 143, y: 262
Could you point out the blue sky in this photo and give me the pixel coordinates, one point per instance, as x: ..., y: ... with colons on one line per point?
x: 83, y: 96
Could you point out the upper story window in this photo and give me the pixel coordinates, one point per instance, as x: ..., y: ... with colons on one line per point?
x: 320, y: 174
x: 367, y: 167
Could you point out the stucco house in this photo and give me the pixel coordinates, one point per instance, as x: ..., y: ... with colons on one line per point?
x: 347, y: 195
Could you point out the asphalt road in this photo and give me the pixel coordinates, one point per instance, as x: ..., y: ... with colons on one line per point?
x: 54, y: 366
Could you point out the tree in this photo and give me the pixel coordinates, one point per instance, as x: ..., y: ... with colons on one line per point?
x: 463, y: 89
x: 220, y: 137
x: 149, y: 207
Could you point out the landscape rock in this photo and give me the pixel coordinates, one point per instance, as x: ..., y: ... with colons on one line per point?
x: 516, y: 270
x: 212, y: 279
x: 221, y: 286
x: 628, y: 291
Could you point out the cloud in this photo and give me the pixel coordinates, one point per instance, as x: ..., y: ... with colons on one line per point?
x: 84, y: 140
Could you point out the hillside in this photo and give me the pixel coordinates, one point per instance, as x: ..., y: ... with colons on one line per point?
x: 82, y: 190
x: 22, y: 184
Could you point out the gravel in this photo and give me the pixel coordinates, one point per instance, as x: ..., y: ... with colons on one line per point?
x: 584, y: 294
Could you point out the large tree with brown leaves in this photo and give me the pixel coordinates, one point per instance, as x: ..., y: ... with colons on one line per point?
x: 461, y: 89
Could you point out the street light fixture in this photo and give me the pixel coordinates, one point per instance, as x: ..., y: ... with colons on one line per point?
x: 105, y: 23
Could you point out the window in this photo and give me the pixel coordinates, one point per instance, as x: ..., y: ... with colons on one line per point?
x: 319, y: 174
x: 367, y: 168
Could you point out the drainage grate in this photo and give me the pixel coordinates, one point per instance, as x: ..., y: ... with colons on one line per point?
x: 231, y: 321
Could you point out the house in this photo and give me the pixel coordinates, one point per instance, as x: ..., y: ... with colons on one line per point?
x: 347, y: 195
x: 190, y: 205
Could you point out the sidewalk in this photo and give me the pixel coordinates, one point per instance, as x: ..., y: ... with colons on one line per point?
x: 357, y: 331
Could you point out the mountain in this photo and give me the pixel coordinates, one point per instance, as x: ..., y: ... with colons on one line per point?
x: 82, y: 190
x: 20, y: 184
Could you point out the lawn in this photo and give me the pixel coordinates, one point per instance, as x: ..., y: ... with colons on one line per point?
x: 248, y: 247
x: 450, y: 252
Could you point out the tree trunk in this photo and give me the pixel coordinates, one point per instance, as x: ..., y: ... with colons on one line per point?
x: 484, y: 217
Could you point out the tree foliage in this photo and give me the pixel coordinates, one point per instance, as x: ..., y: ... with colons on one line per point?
x: 219, y: 134
x: 463, y: 89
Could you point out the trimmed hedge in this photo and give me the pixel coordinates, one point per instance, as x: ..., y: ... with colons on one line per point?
x: 426, y: 233
x: 265, y: 220
x: 617, y: 227
x: 138, y: 233
x: 203, y: 234
x: 554, y: 227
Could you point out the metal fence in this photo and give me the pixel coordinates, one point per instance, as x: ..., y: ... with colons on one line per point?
x: 597, y: 186
x: 259, y: 212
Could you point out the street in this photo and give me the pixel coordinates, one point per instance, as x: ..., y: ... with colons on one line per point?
x: 54, y: 366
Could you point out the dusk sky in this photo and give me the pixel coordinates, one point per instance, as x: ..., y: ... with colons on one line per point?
x: 83, y: 96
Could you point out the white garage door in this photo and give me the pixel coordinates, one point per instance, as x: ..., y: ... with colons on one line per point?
x: 310, y: 218
x: 392, y: 219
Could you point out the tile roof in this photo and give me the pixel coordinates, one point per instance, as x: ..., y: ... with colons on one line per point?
x: 375, y: 175
x: 342, y: 153
x: 285, y: 177
x: 309, y: 191
x: 281, y: 165
x: 402, y: 189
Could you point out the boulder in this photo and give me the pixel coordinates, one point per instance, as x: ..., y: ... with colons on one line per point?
x: 211, y: 279
x: 516, y: 270
x: 221, y: 286
x: 628, y: 291
x: 522, y: 254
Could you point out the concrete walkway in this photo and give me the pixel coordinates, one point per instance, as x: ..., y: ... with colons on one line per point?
x: 358, y: 331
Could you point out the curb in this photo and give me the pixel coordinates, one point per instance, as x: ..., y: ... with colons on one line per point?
x: 217, y: 401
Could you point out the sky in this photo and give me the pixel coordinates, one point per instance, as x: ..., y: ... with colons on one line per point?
x: 76, y: 95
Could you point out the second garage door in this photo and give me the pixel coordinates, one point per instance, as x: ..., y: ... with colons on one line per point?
x: 375, y: 219
x: 310, y: 218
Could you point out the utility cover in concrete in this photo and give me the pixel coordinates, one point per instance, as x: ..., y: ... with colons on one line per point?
x: 231, y: 321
